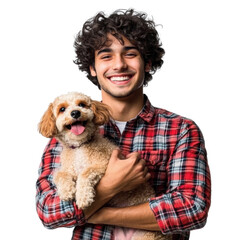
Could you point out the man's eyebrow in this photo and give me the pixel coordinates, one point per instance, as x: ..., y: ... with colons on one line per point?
x: 130, y: 48
x: 108, y: 50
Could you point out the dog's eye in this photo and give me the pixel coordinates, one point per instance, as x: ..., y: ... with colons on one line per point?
x: 82, y: 105
x: 62, y: 109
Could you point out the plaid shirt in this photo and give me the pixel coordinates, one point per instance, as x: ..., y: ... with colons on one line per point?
x: 174, y: 150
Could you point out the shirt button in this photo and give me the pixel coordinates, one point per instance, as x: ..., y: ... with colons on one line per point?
x: 69, y: 215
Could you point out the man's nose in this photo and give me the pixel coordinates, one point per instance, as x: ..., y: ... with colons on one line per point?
x: 119, y: 63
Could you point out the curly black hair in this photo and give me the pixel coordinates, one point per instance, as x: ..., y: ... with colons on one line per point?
x: 133, y: 25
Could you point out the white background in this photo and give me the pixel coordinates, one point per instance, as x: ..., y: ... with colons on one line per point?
x: 198, y: 80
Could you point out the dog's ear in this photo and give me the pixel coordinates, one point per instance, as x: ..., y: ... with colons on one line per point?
x: 47, y: 126
x: 101, y: 112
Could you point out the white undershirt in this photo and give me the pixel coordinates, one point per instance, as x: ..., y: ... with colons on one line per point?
x: 121, y: 125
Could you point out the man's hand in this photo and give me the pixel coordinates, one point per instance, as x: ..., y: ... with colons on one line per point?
x: 124, y: 174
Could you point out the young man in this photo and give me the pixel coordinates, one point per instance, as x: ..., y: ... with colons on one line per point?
x: 120, y: 53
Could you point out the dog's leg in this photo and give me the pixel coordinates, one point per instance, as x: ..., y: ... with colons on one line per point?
x: 85, y: 186
x: 66, y: 185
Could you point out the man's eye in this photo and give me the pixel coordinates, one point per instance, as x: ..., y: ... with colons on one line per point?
x: 62, y: 109
x: 131, y: 55
x: 105, y: 57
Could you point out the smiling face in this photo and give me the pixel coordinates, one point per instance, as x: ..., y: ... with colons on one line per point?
x: 72, y: 110
x: 119, y: 68
x: 74, y: 117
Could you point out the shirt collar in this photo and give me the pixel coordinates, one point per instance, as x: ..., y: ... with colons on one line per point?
x: 147, y: 111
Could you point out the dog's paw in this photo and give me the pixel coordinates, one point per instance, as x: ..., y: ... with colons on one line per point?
x: 66, y: 193
x: 84, y: 202
x: 85, y: 190
x: 66, y: 186
x: 85, y: 197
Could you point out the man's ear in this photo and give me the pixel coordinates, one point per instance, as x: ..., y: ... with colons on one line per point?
x: 92, y: 71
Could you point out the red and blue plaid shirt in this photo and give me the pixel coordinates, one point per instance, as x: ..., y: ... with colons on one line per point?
x: 174, y: 150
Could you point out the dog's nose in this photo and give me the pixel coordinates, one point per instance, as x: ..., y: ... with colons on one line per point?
x: 76, y: 114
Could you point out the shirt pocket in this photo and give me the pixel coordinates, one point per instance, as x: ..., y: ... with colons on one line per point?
x: 156, y: 162
x: 154, y: 158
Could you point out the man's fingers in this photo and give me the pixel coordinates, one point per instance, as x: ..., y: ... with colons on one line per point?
x: 148, y: 176
x: 115, y: 153
x: 133, y: 155
x: 142, y: 162
x: 145, y: 171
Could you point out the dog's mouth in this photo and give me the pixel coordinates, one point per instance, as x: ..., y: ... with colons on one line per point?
x: 77, y: 127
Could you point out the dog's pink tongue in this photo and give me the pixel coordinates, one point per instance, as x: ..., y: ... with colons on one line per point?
x: 77, y: 129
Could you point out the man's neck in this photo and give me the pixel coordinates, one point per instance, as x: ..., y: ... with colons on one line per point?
x: 124, y: 109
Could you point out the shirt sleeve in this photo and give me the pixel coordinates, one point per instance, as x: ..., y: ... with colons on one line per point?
x: 186, y: 202
x: 51, y: 210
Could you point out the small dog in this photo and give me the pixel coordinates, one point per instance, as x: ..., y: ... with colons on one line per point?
x: 74, y: 119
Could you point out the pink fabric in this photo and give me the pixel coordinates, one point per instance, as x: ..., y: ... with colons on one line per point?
x: 123, y: 233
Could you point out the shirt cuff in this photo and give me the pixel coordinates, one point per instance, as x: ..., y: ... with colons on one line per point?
x: 162, y: 211
x: 79, y: 216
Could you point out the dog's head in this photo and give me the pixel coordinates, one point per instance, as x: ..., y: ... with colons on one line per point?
x: 73, y: 118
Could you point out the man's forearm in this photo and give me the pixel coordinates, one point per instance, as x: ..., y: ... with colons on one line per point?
x: 140, y: 217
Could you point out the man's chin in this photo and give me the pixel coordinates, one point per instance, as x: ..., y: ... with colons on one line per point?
x: 123, y: 94
x: 120, y: 95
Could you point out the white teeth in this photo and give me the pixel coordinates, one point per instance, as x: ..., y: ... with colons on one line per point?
x: 124, y: 78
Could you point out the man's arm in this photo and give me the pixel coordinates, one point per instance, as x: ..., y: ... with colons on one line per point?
x: 51, y: 210
x: 186, y: 202
x: 122, y: 175
x: 140, y: 217
x: 56, y: 213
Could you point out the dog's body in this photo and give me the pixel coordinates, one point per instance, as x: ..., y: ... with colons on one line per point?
x: 74, y: 120
x: 83, y: 167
